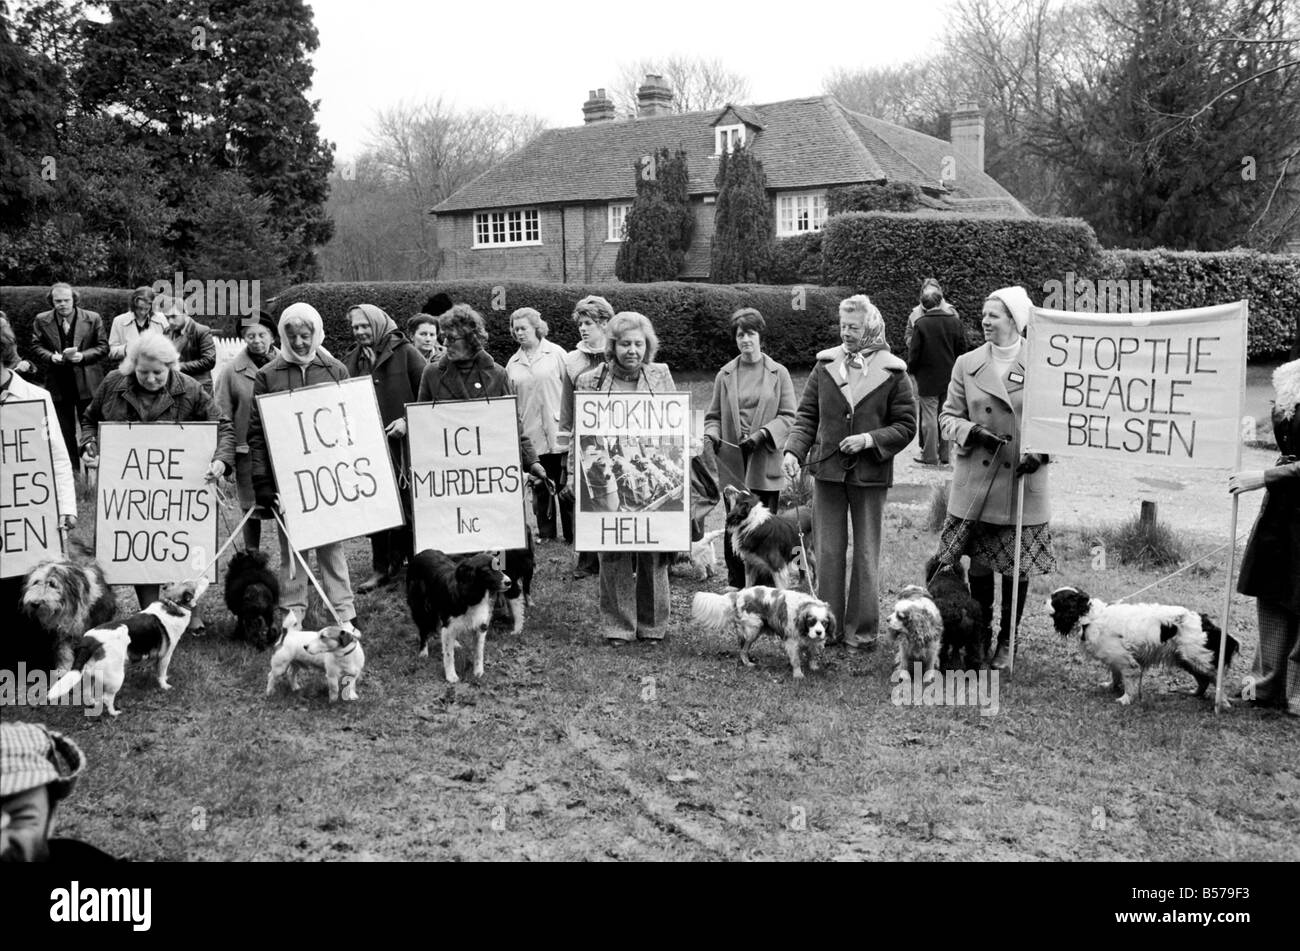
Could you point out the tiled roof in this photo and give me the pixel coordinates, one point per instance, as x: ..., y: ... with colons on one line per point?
x: 803, y: 143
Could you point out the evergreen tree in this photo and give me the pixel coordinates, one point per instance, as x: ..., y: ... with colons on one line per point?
x: 29, y: 118
x: 660, y: 223
x: 742, y: 229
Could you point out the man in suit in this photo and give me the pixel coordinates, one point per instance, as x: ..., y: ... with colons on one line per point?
x: 69, y: 343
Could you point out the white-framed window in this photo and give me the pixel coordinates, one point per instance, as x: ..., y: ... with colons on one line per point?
x: 727, y: 137
x: 800, y: 213
x: 495, y: 229
x: 618, y: 221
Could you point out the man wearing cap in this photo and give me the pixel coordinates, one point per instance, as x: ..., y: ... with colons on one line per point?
x: 38, y: 767
x: 140, y: 318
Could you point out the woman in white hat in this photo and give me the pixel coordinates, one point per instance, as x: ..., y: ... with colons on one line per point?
x: 982, y: 415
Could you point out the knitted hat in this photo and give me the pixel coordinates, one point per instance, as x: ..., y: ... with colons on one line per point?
x: 1016, y: 300
x: 260, y: 319
x: 33, y: 756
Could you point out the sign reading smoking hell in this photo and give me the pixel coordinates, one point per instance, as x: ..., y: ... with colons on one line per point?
x: 330, y: 458
x: 467, y: 484
x: 155, y: 517
x: 1157, y: 389
x: 632, y: 460
x: 29, y: 511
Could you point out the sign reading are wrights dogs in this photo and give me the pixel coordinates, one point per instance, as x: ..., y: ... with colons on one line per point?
x: 155, y: 516
x: 633, y: 471
x: 467, y: 483
x: 29, y: 510
x: 331, y: 462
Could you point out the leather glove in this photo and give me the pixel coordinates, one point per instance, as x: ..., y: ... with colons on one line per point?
x: 988, y: 438
x: 1030, y: 463
x: 265, y: 497
x: 565, y: 494
x: 754, y: 441
x: 715, y: 442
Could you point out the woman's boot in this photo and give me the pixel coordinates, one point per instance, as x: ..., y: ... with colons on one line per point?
x: 1002, y: 658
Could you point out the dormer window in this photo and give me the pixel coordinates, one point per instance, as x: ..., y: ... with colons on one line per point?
x: 727, y: 137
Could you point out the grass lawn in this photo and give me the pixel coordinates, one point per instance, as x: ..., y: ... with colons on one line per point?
x: 569, y: 749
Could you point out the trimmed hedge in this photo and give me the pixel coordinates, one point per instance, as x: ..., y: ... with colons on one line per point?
x: 797, y: 259
x: 690, y: 319
x: 891, y: 196
x: 887, y: 255
x: 22, y: 303
x: 1180, y: 279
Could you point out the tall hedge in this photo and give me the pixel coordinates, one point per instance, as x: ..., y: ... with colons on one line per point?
x: 1269, y: 282
x: 690, y: 319
x: 22, y: 303
x: 887, y: 255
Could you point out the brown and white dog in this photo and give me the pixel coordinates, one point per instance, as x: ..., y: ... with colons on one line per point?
x: 799, y: 621
x: 61, y: 600
x: 917, y: 628
x: 151, y: 634
x: 335, y: 650
x: 1130, y: 638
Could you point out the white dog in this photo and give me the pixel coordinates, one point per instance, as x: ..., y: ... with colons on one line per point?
x: 335, y: 650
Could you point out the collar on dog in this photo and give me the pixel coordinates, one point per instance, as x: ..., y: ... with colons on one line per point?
x: 350, y: 649
x: 171, y: 607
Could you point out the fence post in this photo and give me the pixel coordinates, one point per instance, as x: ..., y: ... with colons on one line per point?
x: 1148, y: 517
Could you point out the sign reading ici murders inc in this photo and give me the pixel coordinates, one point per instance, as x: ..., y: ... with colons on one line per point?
x: 155, y: 513
x: 467, y: 483
x: 330, y: 458
x: 633, y: 471
x: 29, y: 510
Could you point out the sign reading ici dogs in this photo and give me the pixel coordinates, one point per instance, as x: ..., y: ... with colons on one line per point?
x: 633, y: 471
x: 155, y: 517
x: 1158, y: 389
x: 331, y: 462
x: 29, y: 510
x: 467, y: 483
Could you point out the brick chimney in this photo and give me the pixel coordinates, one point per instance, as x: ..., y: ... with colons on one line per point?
x: 967, y: 135
x: 654, y: 97
x: 598, y: 107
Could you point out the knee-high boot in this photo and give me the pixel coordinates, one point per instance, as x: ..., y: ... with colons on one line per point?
x: 981, y: 589
x: 1002, y: 657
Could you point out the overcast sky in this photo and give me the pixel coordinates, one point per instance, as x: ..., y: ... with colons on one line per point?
x: 542, y: 57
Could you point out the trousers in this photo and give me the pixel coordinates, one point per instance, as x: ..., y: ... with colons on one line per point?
x: 835, y: 505
x: 634, y: 595
x: 332, y: 565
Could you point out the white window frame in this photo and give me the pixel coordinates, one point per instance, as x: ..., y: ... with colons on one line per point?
x: 728, y: 136
x: 800, y: 213
x: 507, y: 228
x: 619, y: 234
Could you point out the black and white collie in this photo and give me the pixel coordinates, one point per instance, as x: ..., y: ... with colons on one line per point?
x: 153, y: 633
x: 1129, y: 638
x: 61, y: 599
x: 449, y: 598
x: 799, y: 621
x: 252, y: 593
x: 766, y: 542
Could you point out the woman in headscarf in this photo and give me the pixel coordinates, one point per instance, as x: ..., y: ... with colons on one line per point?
x: 1270, y: 569
x: 857, y: 412
x: 301, y: 362
x: 537, y: 372
x: 982, y: 415
x: 383, y: 353
x: 234, y: 394
x: 634, y: 599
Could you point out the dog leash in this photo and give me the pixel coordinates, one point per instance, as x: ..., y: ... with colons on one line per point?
x: 1182, y: 569
x: 803, y: 551
x: 294, y: 553
x: 230, y: 537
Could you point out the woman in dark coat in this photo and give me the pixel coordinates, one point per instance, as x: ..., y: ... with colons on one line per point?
x: 234, y: 394
x: 1270, y: 570
x: 385, y: 355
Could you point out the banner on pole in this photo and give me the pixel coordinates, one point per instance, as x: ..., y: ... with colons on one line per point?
x: 331, y: 461
x: 1153, y: 389
x: 467, y: 481
x: 633, y: 463
x: 155, y: 516
x: 29, y: 506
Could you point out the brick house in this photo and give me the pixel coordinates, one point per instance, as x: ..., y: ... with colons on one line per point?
x: 554, y: 210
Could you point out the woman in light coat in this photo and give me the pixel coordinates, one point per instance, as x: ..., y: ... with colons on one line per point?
x: 982, y: 415
x: 234, y: 394
x: 537, y: 371
x: 748, y: 420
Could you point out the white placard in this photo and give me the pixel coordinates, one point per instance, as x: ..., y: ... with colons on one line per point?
x: 467, y: 481
x: 29, y: 506
x: 330, y: 457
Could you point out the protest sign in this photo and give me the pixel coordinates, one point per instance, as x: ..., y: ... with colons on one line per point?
x: 633, y: 463
x: 155, y: 516
x: 29, y: 508
x: 467, y: 483
x: 330, y: 457
x: 1153, y: 389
